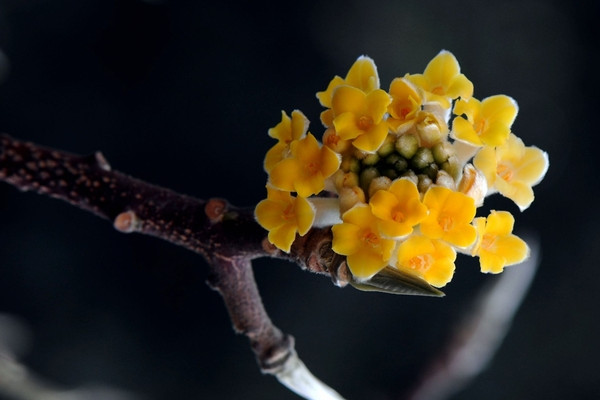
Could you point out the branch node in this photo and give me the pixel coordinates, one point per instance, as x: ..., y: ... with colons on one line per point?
x: 274, y: 359
x: 127, y: 222
x: 215, y: 209
x: 269, y: 247
x: 101, y: 161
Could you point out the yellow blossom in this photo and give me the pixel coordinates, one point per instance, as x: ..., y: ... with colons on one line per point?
x: 496, y: 246
x: 512, y: 169
x: 450, y: 216
x: 359, y: 116
x: 488, y: 121
x: 442, y: 80
x: 399, y: 208
x: 358, y: 238
x: 362, y: 75
x: 406, y: 102
x: 283, y: 216
x: 288, y: 130
x: 306, y: 169
x: 430, y: 259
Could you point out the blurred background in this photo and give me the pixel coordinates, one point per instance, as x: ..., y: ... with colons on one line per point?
x: 181, y: 94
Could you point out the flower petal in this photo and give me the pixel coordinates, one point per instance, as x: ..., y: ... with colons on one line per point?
x: 371, y: 140
x: 364, y: 264
x: 519, y: 192
x: 349, y: 99
x: 283, y: 237
x: 285, y: 173
x: 463, y: 130
x: 326, y: 96
x: 346, y: 126
x: 268, y: 214
x: 345, y: 238
x: 274, y: 155
x: 305, y: 215
x: 363, y: 74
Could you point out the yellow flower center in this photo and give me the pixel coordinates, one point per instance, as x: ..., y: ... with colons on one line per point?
x: 365, y: 122
x: 487, y: 241
x: 446, y: 222
x: 420, y: 263
x: 504, y: 172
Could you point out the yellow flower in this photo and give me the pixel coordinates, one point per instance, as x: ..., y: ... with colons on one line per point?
x: 488, y: 122
x: 283, y: 216
x: 430, y: 259
x: 496, y: 246
x: 359, y: 116
x: 288, y: 130
x: 362, y: 75
x: 512, y: 169
x: 399, y: 208
x: 358, y: 238
x: 450, y: 216
x: 406, y: 102
x: 306, y: 169
x: 442, y: 80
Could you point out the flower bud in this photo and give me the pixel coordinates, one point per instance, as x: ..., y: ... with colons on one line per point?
x: 407, y: 145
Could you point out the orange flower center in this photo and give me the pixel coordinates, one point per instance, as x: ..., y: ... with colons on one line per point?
x: 332, y: 140
x: 365, y: 122
x: 398, y: 216
x: 504, y: 172
x: 487, y: 241
x: 312, y: 167
x: 446, y: 222
x: 479, y: 126
x: 420, y: 263
x: 439, y: 90
x: 370, y: 239
x: 288, y: 213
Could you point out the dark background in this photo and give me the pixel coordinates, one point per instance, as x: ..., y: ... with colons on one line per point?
x: 181, y: 94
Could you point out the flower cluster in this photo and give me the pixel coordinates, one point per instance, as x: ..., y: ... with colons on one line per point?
x: 399, y: 174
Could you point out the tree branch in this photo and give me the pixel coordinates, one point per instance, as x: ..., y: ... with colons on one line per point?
x: 228, y: 238
x: 210, y: 228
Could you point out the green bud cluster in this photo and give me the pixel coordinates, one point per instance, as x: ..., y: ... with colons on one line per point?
x: 400, y: 157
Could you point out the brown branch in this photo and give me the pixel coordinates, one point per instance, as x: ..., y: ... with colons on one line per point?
x: 228, y: 237
x: 210, y: 228
x: 234, y: 280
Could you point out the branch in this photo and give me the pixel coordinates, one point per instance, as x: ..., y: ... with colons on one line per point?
x: 274, y: 350
x: 228, y: 238
x: 210, y: 228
